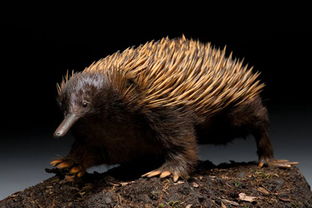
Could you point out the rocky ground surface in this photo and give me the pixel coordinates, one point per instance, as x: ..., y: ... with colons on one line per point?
x: 226, y: 185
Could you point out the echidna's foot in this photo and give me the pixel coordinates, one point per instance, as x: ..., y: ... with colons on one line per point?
x: 72, y: 169
x: 282, y: 163
x: 276, y: 163
x: 163, y: 174
x: 74, y: 173
x: 263, y: 160
x: 169, y: 169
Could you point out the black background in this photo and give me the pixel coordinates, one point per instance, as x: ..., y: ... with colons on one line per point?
x: 36, y: 52
x: 35, y: 56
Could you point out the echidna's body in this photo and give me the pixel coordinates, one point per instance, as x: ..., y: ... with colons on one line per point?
x: 160, y: 99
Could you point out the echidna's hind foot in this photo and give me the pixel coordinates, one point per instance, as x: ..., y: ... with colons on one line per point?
x: 277, y: 163
x: 264, y: 146
x: 73, y: 170
x: 263, y: 160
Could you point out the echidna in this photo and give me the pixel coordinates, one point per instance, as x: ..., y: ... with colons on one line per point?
x: 160, y: 100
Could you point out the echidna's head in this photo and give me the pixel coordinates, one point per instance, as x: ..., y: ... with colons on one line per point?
x: 81, y: 96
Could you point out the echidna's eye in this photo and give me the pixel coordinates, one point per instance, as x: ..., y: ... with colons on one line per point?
x: 84, y: 103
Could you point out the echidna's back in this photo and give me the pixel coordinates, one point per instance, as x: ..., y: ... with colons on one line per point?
x: 185, y: 72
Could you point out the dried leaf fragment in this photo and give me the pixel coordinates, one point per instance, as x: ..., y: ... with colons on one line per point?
x: 263, y: 190
x: 244, y: 197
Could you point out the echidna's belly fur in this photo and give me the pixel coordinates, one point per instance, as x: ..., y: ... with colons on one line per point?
x: 219, y: 130
x: 119, y: 142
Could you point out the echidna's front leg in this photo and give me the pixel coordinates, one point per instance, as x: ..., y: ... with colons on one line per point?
x: 175, y: 168
x: 77, y: 161
x: 181, y: 157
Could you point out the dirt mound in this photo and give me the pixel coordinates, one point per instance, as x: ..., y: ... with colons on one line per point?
x: 226, y: 185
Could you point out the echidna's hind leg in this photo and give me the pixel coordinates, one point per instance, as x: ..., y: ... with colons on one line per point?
x: 253, y: 117
x: 260, y: 132
x: 264, y: 146
x: 260, y: 125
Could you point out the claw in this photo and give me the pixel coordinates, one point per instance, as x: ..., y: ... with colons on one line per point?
x: 264, y: 160
x: 175, y: 177
x: 64, y: 165
x: 74, y: 170
x: 80, y: 174
x: 281, y: 160
x: 153, y: 173
x: 276, y: 163
x: 165, y: 174
x: 149, y: 174
x: 285, y: 161
x: 260, y: 164
x: 282, y: 163
x: 145, y: 175
x: 55, y: 162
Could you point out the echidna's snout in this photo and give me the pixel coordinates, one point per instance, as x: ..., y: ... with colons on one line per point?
x: 66, y: 124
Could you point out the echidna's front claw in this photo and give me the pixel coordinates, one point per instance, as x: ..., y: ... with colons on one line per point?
x: 64, y: 164
x: 77, y: 171
x: 55, y: 162
x: 73, y: 170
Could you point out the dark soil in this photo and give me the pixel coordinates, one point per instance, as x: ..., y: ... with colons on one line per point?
x: 210, y: 186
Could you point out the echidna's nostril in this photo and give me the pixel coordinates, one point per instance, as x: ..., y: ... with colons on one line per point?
x: 57, y: 134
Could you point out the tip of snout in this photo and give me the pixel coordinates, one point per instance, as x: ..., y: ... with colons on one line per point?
x: 66, y: 124
x: 58, y: 134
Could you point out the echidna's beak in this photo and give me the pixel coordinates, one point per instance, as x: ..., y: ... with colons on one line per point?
x: 66, y: 124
